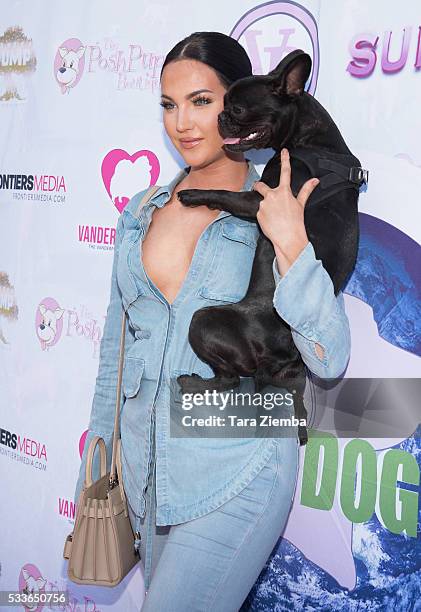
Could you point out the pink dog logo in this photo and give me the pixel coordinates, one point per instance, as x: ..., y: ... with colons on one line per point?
x: 31, y: 582
x: 49, y: 322
x: 124, y: 175
x: 69, y: 64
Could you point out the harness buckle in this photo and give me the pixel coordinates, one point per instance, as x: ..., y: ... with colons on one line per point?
x: 358, y: 175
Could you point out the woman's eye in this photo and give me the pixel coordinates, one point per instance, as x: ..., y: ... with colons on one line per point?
x: 202, y: 99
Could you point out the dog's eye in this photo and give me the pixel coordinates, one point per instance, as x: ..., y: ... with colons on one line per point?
x: 237, y: 110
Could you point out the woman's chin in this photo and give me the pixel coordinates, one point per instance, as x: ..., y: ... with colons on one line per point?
x: 199, y: 158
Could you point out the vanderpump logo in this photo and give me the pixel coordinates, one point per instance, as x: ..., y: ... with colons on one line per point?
x: 23, y: 449
x: 98, y: 237
x: 271, y: 30
x: 389, y: 52
x: 39, y: 187
x: 67, y: 507
x: 132, y: 65
x: 17, y: 62
x: 124, y: 174
x: 54, y: 323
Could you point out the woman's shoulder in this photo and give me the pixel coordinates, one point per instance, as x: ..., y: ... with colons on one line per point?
x: 131, y: 213
x: 132, y: 205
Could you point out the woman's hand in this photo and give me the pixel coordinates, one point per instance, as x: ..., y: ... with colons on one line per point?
x: 281, y: 215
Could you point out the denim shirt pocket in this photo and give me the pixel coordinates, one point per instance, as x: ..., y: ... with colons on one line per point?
x: 132, y: 375
x: 130, y: 289
x: 229, y: 274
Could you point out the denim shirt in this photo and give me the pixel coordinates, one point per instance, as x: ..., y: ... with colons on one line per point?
x: 198, y: 474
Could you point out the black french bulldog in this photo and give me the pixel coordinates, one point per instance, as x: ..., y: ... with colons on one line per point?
x: 274, y: 111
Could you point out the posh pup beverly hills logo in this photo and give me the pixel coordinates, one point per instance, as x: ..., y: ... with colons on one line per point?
x: 52, y: 322
x: 133, y: 66
x: 69, y: 64
x: 124, y: 175
x: 369, y: 50
x: 271, y: 30
x: 49, y: 323
x: 32, y: 582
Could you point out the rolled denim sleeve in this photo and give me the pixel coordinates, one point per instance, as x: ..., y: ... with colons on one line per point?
x: 102, y: 415
x: 304, y: 297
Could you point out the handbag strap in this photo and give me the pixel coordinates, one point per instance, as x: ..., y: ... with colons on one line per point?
x: 113, y: 473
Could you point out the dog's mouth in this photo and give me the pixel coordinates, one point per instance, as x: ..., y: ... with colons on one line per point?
x: 251, y: 139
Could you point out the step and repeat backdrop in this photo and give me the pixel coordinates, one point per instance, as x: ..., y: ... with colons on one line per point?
x: 81, y: 132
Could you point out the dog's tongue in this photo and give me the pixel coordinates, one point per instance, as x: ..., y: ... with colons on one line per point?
x: 231, y: 140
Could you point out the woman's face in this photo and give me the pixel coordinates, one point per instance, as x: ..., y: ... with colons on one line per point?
x: 192, y: 114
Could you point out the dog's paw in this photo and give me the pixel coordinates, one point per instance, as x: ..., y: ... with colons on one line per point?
x: 189, y: 382
x: 190, y: 197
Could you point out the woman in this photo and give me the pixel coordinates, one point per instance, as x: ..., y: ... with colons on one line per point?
x: 207, y: 512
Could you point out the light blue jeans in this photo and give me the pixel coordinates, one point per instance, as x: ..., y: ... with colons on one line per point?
x: 212, y: 562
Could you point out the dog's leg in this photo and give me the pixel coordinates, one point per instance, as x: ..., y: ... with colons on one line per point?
x: 293, y: 379
x: 239, y: 203
x: 193, y: 383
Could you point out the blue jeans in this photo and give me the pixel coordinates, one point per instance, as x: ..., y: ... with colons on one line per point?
x: 212, y: 562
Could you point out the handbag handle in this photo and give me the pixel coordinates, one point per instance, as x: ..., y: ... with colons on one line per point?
x: 89, y: 461
x: 114, y: 476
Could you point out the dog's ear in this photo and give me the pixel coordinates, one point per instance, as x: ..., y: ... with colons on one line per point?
x: 291, y: 74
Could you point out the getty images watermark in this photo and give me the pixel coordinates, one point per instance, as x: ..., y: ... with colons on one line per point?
x: 346, y: 408
x: 235, y: 413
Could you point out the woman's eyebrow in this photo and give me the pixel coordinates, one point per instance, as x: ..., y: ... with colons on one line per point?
x: 190, y: 95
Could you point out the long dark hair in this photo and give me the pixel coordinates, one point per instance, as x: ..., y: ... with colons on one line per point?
x: 219, y: 51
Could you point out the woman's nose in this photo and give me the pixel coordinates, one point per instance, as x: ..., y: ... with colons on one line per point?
x: 184, y: 121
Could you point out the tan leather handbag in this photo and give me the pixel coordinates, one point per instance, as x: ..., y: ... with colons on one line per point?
x: 100, y: 548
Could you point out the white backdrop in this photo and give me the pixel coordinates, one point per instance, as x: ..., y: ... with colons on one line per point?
x: 86, y: 141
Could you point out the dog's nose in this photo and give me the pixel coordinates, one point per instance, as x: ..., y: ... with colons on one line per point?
x: 62, y: 69
x: 42, y: 326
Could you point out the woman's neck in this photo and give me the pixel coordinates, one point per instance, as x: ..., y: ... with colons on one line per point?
x: 223, y: 173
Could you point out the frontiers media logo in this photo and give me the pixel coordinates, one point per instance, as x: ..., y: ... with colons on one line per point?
x: 42, y: 187
x: 69, y: 64
x: 272, y: 30
x: 31, y: 449
x: 124, y: 175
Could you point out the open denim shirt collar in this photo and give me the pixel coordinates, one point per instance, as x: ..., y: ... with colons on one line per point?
x: 168, y: 189
x: 164, y: 193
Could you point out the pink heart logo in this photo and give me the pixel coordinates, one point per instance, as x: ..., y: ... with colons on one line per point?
x: 124, y: 174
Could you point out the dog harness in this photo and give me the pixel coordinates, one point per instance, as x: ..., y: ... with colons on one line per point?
x: 336, y: 171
